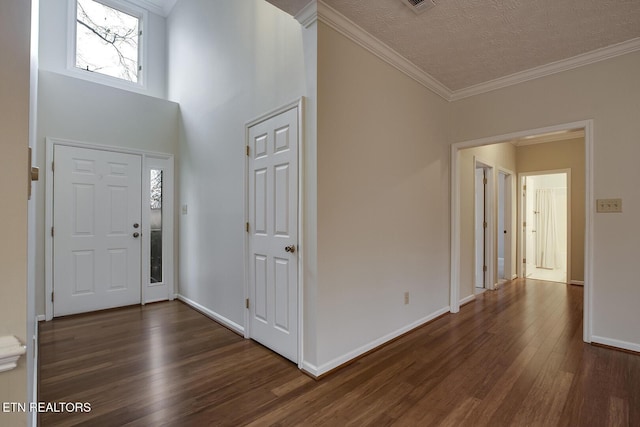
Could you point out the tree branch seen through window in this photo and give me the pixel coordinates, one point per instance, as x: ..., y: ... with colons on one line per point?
x: 107, y: 40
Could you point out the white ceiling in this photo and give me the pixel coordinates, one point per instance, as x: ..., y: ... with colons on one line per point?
x: 462, y: 43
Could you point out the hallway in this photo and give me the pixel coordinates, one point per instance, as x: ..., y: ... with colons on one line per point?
x: 515, y: 356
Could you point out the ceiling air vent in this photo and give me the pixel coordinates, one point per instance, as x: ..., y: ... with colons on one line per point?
x: 419, y: 6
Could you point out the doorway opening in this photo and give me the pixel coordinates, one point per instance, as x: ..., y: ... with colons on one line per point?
x: 545, y: 212
x: 505, y: 217
x: 109, y: 221
x: 482, y: 226
x: 273, y: 290
x: 460, y: 244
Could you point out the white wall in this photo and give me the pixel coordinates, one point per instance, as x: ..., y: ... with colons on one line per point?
x: 83, y: 111
x: 608, y: 93
x: 15, y: 43
x: 53, y: 45
x: 229, y: 62
x: 383, y: 201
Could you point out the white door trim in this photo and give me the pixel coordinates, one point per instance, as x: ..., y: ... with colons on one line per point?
x: 587, y: 125
x: 489, y: 233
x: 146, y: 155
x: 299, y: 105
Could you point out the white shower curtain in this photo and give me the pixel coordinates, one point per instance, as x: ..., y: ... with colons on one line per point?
x: 547, y: 244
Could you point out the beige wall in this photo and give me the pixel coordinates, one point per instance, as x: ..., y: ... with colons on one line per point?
x: 383, y: 199
x: 14, y: 121
x: 499, y: 157
x: 607, y: 92
x: 562, y: 155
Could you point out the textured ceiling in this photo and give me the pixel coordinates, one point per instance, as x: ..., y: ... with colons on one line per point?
x: 462, y: 43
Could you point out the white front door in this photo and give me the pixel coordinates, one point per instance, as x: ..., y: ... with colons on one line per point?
x: 96, y: 217
x: 273, y: 233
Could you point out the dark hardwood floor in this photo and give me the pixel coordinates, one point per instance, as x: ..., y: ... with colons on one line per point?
x: 514, y: 357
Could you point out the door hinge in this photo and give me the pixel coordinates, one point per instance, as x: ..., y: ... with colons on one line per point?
x: 248, y: 150
x: 51, y: 296
x: 484, y: 268
x: 51, y: 231
x: 246, y: 303
x: 524, y: 260
x: 484, y: 181
x: 524, y: 223
x: 484, y: 224
x: 524, y: 188
x: 53, y: 168
x: 247, y: 227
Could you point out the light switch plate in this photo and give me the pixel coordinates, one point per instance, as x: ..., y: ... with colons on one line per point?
x: 609, y: 205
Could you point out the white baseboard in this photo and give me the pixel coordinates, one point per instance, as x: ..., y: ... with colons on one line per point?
x: 616, y: 343
x: 341, y: 360
x: 311, y: 369
x: 577, y: 282
x: 514, y: 276
x: 465, y: 300
x: 40, y: 318
x: 213, y: 315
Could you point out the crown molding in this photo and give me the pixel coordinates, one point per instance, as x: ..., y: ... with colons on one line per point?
x: 597, y: 55
x: 317, y: 9
x: 308, y: 14
x: 357, y: 34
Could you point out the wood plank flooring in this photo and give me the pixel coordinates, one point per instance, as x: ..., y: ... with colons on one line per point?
x: 514, y: 357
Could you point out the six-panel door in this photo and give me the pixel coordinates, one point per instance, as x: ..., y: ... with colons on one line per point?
x: 96, y: 215
x: 273, y: 229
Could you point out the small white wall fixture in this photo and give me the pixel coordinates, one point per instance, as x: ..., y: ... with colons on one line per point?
x: 587, y: 126
x: 150, y: 160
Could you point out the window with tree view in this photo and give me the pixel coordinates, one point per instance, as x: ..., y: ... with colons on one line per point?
x: 156, y: 225
x: 107, y: 40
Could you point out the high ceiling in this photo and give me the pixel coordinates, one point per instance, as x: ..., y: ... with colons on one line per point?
x: 462, y: 43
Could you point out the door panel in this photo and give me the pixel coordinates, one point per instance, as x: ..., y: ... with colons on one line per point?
x: 96, y: 257
x: 479, y: 228
x: 273, y: 215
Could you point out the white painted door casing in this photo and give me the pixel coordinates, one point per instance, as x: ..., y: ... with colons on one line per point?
x: 273, y: 227
x: 96, y: 204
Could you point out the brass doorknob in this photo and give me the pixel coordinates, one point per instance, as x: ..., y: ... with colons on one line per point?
x: 290, y: 248
x: 136, y: 234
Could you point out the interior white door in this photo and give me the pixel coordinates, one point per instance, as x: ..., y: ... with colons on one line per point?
x: 273, y: 233
x: 96, y: 217
x: 480, y: 229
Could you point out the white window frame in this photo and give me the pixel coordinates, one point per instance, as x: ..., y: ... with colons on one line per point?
x: 143, y: 19
x: 160, y: 291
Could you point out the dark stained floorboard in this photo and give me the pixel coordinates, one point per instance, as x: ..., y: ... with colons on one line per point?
x: 512, y: 357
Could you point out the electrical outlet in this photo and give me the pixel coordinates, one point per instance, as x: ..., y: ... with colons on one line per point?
x: 406, y: 298
x: 608, y: 205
